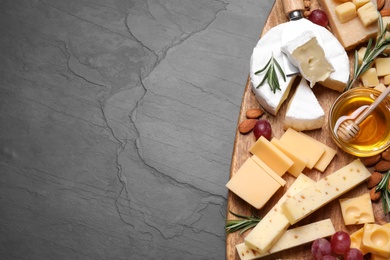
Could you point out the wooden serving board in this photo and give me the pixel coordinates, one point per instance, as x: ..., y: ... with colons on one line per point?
x: 241, y: 152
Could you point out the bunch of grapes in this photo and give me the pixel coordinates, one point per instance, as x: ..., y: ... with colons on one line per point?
x: 339, y: 245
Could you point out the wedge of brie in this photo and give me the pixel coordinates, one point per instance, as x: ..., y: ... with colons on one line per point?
x: 303, y: 111
x: 268, y: 45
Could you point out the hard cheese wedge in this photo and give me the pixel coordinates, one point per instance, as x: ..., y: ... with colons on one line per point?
x: 273, y: 225
x: 304, y: 112
x: 253, y: 184
x: 325, y: 190
x: 291, y: 238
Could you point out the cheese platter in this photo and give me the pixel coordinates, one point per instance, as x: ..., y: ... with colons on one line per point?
x: 244, y: 142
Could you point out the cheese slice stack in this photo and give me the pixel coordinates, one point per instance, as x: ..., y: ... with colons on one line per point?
x: 304, y: 112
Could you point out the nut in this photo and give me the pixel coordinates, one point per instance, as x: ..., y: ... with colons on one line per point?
x: 247, y: 125
x: 374, y: 179
x: 254, y: 113
x: 371, y: 161
x: 386, y: 155
x: 380, y: 4
x: 375, y: 195
x: 385, y: 12
x: 382, y: 166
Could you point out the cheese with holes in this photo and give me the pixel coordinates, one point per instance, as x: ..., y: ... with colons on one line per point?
x: 304, y: 146
x: 357, y: 210
x: 351, y: 33
x: 356, y: 240
x: 299, y: 160
x: 291, y: 238
x: 304, y: 112
x: 271, y: 155
x: 254, y: 184
x: 325, y: 190
x: 376, y: 239
x: 345, y: 12
x: 327, y: 156
x: 334, y: 51
x: 273, y: 225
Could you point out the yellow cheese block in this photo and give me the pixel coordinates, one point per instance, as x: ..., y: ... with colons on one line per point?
x: 268, y: 170
x: 325, y: 190
x: 291, y: 238
x: 351, y: 33
x: 380, y: 87
x: 368, y: 14
x: 253, y: 184
x: 273, y: 225
x: 302, y: 145
x: 382, y: 66
x: 360, y: 3
x: 356, y: 240
x: 369, y: 78
x: 386, y: 80
x: 326, y: 158
x: 345, y: 12
x: 357, y: 210
x: 271, y: 155
x: 376, y: 239
x: 361, y: 52
x: 299, y: 160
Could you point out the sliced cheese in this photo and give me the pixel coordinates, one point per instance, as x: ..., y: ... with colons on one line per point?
x: 253, y: 184
x: 271, y: 155
x: 299, y: 160
x: 334, y: 51
x: 273, y: 225
x: 302, y: 145
x: 291, y: 238
x: 268, y: 46
x: 304, y: 112
x: 325, y: 190
x: 357, y: 210
x: 326, y: 157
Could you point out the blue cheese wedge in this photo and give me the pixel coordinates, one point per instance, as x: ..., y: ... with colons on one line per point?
x: 270, y: 44
x: 304, y: 112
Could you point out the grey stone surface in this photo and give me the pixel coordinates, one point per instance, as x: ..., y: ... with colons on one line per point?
x: 117, y: 123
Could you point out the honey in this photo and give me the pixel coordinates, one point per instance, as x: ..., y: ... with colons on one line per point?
x: 374, y: 134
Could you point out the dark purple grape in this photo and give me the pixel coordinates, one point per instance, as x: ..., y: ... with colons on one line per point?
x: 319, y: 17
x: 262, y: 128
x: 353, y: 254
x: 320, y: 248
x: 340, y: 242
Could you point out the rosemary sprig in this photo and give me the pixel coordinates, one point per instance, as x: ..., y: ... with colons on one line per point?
x: 383, y: 187
x: 370, y: 54
x: 243, y: 224
x: 271, y: 76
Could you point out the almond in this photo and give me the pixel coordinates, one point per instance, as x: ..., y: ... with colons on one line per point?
x: 371, y: 161
x: 247, y: 125
x: 380, y: 4
x: 382, y: 166
x: 375, y: 195
x: 254, y: 113
x: 385, y: 12
x: 386, y: 155
x: 374, y: 179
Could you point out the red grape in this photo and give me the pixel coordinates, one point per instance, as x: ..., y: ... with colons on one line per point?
x: 353, y: 254
x: 319, y: 17
x: 340, y: 242
x: 328, y: 257
x: 320, y: 248
x: 262, y: 128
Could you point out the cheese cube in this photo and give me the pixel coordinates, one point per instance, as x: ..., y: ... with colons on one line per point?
x: 376, y: 239
x: 304, y: 146
x: 387, y: 35
x: 356, y: 240
x: 325, y: 190
x: 368, y: 14
x: 369, y: 78
x: 386, y: 80
x: 382, y: 66
x: 291, y: 238
x: 386, y: 22
x: 361, y: 53
x: 326, y: 157
x: 345, y: 12
x: 300, y: 161
x: 273, y: 225
x: 360, y: 3
x: 380, y: 87
x: 271, y: 155
x: 357, y: 210
x: 253, y: 184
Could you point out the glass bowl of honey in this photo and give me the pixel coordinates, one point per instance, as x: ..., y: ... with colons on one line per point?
x: 374, y: 135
